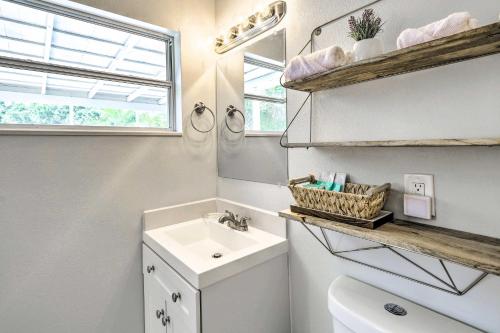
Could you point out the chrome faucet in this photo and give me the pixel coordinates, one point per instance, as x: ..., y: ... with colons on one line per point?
x: 233, y: 222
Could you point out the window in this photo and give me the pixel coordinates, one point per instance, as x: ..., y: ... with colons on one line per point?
x: 265, y: 98
x: 62, y: 67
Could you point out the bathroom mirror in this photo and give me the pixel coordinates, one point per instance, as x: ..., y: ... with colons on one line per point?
x: 251, y: 111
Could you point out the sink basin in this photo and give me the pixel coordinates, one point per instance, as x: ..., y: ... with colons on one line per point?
x: 205, y: 251
x: 205, y: 239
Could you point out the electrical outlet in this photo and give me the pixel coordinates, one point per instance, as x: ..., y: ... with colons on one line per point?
x: 422, y: 185
x: 417, y: 189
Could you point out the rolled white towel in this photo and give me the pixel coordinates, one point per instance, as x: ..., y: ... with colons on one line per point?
x: 452, y: 24
x: 316, y: 62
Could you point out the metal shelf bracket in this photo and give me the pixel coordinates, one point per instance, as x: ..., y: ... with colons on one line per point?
x: 442, y: 285
x: 314, y: 33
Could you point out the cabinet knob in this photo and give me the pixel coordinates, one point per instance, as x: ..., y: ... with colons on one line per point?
x: 150, y: 269
x: 176, y: 296
x: 165, y: 320
x: 160, y: 313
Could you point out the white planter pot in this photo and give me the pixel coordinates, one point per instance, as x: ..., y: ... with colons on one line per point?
x: 367, y: 48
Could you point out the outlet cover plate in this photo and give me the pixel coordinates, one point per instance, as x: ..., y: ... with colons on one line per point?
x: 415, y: 183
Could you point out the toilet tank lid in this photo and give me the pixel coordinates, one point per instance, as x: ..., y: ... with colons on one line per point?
x: 360, y: 307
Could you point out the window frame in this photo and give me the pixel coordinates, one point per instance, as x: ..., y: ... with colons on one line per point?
x: 257, y: 62
x: 110, y: 20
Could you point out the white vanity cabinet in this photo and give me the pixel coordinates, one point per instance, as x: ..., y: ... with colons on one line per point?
x: 254, y: 301
x: 201, y: 276
x: 171, y: 305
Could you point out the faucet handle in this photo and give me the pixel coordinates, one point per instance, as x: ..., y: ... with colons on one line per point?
x: 229, y: 213
x: 243, y: 225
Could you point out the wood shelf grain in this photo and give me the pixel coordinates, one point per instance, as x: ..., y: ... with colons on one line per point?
x: 463, y: 46
x: 486, y: 142
x: 467, y: 249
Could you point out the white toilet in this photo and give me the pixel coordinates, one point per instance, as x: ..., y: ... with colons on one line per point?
x: 360, y: 308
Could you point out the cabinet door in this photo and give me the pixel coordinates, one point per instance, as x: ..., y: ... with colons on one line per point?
x: 183, y: 310
x: 178, y: 326
x: 155, y: 303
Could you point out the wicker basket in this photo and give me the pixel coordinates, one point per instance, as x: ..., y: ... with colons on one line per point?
x: 357, y: 200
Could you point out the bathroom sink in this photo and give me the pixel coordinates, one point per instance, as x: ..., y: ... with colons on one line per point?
x: 205, y: 251
x: 206, y: 240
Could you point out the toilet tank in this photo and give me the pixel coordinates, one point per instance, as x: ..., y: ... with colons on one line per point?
x: 360, y: 308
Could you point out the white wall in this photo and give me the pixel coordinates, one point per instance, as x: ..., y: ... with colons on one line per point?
x: 70, y: 207
x: 458, y: 100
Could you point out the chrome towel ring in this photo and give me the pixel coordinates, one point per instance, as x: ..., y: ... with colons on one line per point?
x: 200, y: 108
x: 231, y: 111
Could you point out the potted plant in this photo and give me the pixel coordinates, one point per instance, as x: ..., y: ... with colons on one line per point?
x: 363, y: 30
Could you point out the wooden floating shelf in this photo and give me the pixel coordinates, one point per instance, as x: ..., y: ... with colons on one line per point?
x: 463, y: 46
x: 487, y: 142
x: 471, y: 250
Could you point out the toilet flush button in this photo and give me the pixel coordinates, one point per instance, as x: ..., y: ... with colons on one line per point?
x: 395, y: 309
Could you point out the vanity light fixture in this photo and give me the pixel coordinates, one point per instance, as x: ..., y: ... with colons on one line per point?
x: 252, y: 26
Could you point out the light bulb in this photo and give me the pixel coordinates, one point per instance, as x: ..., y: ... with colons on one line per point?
x: 246, y: 25
x: 219, y: 40
x: 266, y: 12
x: 231, y: 34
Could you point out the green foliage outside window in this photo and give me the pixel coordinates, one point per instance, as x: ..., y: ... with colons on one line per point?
x: 272, y: 115
x: 20, y: 113
x: 46, y: 114
x: 104, y: 117
x: 147, y: 119
x: 248, y: 114
x: 276, y: 91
